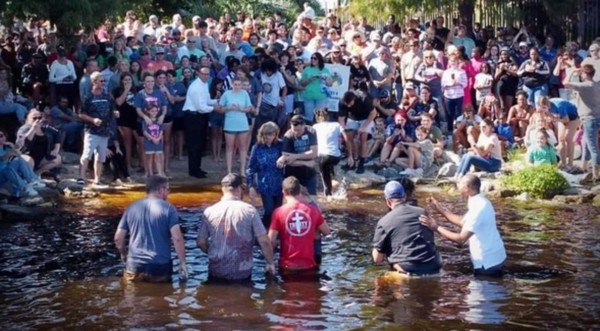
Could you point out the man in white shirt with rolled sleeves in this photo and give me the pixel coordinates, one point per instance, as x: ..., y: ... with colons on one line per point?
x: 198, y: 105
x: 479, y: 228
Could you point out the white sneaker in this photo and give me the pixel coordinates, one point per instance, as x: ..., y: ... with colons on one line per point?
x: 418, y: 172
x: 37, y: 184
x: 407, y: 172
x: 30, y: 192
x: 99, y: 185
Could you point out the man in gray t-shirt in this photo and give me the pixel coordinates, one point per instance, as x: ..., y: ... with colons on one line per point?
x: 152, y: 223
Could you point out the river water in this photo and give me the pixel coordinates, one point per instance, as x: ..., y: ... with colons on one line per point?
x: 63, y: 273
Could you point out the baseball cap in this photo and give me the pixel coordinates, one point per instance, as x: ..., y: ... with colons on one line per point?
x: 523, y: 44
x: 375, y: 36
x: 232, y: 180
x: 394, y: 190
x: 410, y: 86
x: 384, y: 94
x: 160, y: 50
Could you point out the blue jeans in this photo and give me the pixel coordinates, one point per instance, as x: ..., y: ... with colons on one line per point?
x: 22, y: 168
x: 453, y: 110
x: 399, y: 90
x: 311, y: 184
x: 9, y: 108
x: 270, y: 203
x: 534, y: 94
x: 590, y: 138
x: 72, y: 131
x: 468, y: 160
x: 311, y: 105
x: 9, y: 175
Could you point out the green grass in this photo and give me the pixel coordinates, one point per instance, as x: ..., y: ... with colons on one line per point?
x: 515, y: 155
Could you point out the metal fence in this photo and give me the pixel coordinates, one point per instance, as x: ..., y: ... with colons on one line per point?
x: 578, y: 23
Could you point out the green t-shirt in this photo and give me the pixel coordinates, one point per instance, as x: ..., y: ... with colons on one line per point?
x: 313, y: 91
x: 542, y: 155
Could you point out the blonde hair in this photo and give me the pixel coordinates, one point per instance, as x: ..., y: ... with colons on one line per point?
x: 264, y: 130
x: 544, y: 102
x: 538, y: 116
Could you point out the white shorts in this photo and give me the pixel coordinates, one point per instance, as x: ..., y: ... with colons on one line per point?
x: 352, y: 125
x: 94, y: 144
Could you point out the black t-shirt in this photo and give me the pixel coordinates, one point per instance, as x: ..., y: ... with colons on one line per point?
x: 360, y: 110
x: 403, y: 239
x: 442, y: 33
x: 424, y: 107
x: 291, y: 70
x: 299, y: 145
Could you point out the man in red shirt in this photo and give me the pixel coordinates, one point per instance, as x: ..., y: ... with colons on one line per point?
x: 296, y: 223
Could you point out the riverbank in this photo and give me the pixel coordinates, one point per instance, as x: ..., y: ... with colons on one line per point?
x: 68, y: 196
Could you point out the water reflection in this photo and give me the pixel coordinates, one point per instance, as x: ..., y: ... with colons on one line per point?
x: 485, y: 298
x: 62, y: 273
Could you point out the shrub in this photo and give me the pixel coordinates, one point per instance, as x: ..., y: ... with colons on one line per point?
x: 543, y: 181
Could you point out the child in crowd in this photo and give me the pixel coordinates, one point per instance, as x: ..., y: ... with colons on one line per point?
x: 116, y: 160
x: 395, y: 134
x: 216, y: 120
x: 414, y: 119
x: 539, y: 122
x: 153, y: 142
x: 542, y: 152
x: 378, y: 139
x: 504, y: 132
x: 420, y: 154
x: 483, y: 83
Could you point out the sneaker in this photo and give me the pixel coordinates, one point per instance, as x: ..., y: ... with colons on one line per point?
x: 99, y: 185
x: 418, y: 172
x: 30, y: 192
x: 407, y: 172
x: 360, y: 169
x: 37, y: 184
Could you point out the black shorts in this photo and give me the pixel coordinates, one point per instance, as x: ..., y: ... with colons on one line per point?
x: 168, y: 120
x: 178, y: 124
x: 138, y: 129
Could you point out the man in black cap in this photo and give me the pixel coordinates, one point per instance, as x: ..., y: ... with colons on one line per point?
x: 232, y: 226
x: 299, y: 153
x: 385, y: 105
x: 401, y: 239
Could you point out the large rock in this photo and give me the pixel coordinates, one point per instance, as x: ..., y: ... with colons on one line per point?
x: 448, y: 170
x: 576, y: 191
x: 449, y: 156
x: 487, y: 186
x: 48, y: 193
x: 70, y: 158
x: 573, y: 199
x: 504, y: 192
x: 595, y: 189
x: 80, y: 194
x: 596, y: 201
x: 358, y: 181
x: 31, y: 202
x: 389, y: 173
x: 70, y: 184
x: 573, y: 179
x: 523, y: 197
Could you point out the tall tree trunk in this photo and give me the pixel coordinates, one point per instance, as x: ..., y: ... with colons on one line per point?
x: 466, y: 8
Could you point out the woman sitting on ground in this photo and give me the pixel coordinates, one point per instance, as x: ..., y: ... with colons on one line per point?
x: 485, y: 155
x: 41, y: 142
x: 264, y: 176
x: 395, y: 133
x: 329, y: 134
x: 519, y: 114
x: 15, y: 170
x: 466, y: 129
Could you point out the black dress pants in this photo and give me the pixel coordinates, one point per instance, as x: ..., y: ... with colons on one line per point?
x: 196, y: 127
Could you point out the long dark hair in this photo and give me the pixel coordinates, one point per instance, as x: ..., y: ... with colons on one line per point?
x: 123, y: 76
x: 213, y: 86
x: 320, y: 59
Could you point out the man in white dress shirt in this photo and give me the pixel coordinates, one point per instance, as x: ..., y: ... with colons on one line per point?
x: 198, y: 105
x: 479, y: 228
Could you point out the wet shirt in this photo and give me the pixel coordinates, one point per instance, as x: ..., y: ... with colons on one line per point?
x: 231, y: 227
x: 263, y: 164
x: 299, y: 145
x: 296, y: 224
x: 401, y: 237
x: 99, y: 106
x: 149, y: 222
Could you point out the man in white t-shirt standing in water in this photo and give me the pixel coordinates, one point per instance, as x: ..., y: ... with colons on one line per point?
x: 478, y: 228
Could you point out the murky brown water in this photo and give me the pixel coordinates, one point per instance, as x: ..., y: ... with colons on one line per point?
x: 62, y: 273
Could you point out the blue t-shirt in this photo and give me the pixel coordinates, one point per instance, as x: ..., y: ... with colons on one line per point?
x: 178, y: 89
x: 505, y: 131
x: 143, y: 99
x: 169, y: 105
x: 4, y: 150
x: 563, y: 108
x: 57, y: 121
x: 235, y: 121
x: 99, y: 106
x: 149, y: 222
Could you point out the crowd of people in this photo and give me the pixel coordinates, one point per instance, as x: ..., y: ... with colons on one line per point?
x: 135, y: 95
